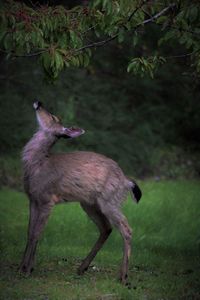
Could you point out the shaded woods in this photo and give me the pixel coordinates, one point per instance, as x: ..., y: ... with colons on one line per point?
x: 150, y: 126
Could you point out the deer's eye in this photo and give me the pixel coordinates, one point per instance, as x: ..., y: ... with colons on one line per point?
x: 56, y: 119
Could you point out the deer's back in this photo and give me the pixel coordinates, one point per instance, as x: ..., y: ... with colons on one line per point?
x: 87, y: 175
x: 81, y: 176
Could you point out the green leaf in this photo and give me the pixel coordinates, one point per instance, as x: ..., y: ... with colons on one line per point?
x: 168, y: 36
x: 131, y: 66
x: 46, y: 60
x: 76, y: 41
x: 86, y: 60
x: 193, y: 13
x: 135, y: 39
x: 58, y: 61
x: 89, y: 52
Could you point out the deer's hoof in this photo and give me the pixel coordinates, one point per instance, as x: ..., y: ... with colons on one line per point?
x: 124, y: 279
x: 81, y: 270
x: 26, y: 271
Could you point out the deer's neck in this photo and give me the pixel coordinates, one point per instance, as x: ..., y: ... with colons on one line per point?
x: 37, y: 149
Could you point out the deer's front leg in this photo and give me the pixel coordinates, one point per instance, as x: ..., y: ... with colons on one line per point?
x: 37, y: 220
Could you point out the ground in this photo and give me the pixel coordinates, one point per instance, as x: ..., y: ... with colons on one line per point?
x: 165, y: 249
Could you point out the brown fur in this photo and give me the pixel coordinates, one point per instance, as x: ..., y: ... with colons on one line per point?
x: 92, y: 179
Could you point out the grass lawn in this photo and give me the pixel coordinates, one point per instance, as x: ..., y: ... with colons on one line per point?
x: 165, y: 249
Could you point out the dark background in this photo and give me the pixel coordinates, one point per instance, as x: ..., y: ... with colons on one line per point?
x: 150, y: 126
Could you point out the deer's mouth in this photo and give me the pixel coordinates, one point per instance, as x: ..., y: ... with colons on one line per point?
x: 37, y: 105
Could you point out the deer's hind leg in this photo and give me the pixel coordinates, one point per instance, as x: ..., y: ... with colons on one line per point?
x: 105, y: 229
x: 119, y: 221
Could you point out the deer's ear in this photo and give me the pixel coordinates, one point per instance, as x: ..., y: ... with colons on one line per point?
x: 72, y: 132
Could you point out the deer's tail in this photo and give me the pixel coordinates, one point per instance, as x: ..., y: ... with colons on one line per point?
x: 136, y: 192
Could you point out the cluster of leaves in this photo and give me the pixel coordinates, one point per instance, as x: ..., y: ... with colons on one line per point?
x: 144, y: 65
x: 64, y: 37
x: 53, y: 33
x: 184, y: 28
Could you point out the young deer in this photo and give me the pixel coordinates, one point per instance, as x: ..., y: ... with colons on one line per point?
x: 94, y: 180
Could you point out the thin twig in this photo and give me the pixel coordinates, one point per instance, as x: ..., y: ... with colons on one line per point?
x: 33, y: 54
x: 98, y: 44
x: 89, y: 29
x: 181, y: 55
x: 146, y: 13
x: 180, y: 29
x: 25, y: 55
x: 136, y: 9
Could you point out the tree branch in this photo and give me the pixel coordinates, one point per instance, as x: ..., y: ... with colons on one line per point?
x: 152, y: 19
x: 97, y: 44
x: 156, y: 16
x: 102, y: 43
x: 25, y: 55
x: 182, y: 55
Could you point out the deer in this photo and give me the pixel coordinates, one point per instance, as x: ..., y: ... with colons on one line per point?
x: 92, y: 179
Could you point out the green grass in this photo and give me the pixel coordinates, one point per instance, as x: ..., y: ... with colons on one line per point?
x: 164, y: 262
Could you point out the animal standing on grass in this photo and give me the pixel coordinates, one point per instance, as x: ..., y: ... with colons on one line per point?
x: 92, y: 179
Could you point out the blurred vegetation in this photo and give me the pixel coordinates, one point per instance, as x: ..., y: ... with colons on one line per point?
x: 151, y: 127
x: 65, y: 35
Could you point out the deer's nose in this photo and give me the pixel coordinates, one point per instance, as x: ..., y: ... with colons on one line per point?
x: 37, y: 104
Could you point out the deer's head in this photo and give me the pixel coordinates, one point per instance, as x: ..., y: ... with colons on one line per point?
x: 52, y: 124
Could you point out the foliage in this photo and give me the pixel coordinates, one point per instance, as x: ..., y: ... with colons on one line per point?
x: 144, y: 66
x: 63, y: 37
x: 164, y: 260
x: 150, y: 127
